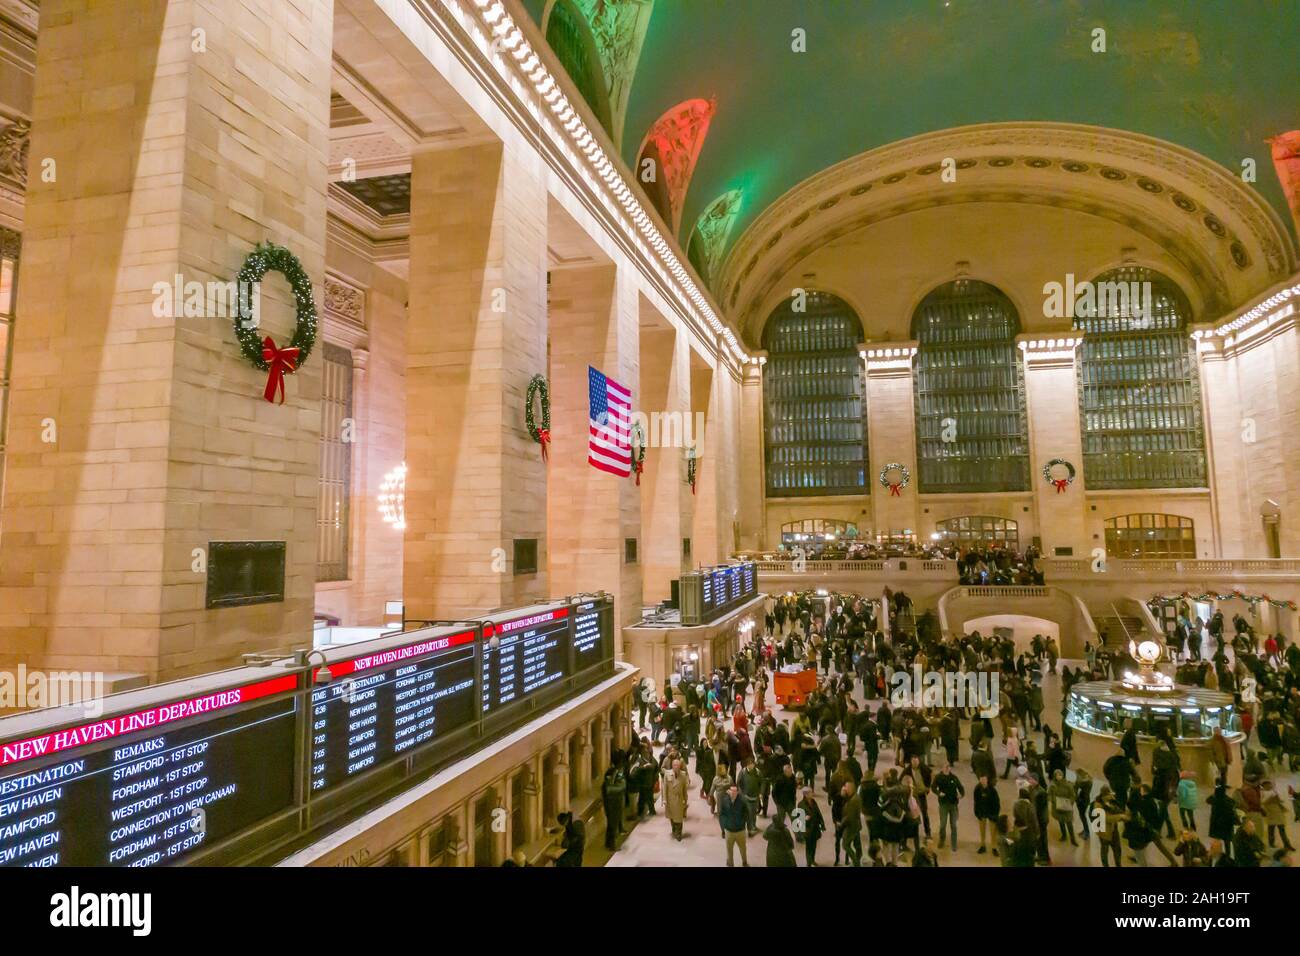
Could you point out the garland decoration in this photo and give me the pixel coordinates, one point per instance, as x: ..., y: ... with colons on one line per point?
x: 1251, y: 599
x: 1050, y: 476
x: 262, y: 352
x: 895, y: 487
x: 638, y: 451
x: 537, y: 386
x: 692, y: 467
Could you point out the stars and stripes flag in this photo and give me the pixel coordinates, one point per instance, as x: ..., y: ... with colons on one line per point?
x: 609, y: 439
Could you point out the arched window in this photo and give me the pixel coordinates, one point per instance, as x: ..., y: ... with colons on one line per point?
x: 1150, y: 536
x: 574, y: 45
x: 969, y: 530
x: 971, y: 430
x: 812, y: 399
x: 1139, y: 386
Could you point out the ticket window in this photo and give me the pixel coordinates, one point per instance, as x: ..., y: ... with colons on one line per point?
x: 686, y: 663
x: 1161, y: 722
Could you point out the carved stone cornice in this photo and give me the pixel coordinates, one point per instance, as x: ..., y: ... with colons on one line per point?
x: 345, y: 313
x: 15, y: 140
x: 1228, y: 239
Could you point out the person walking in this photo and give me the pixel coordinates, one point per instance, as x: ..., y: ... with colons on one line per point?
x: 1062, y: 793
x: 851, y: 821
x: 1189, y: 798
x: 988, y: 807
x: 733, y: 814
x: 808, y: 815
x: 780, y: 843
x: 675, y: 790
x: 949, y: 791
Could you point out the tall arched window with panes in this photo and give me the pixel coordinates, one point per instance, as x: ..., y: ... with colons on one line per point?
x: 1139, y: 386
x: 816, y: 436
x: 969, y: 387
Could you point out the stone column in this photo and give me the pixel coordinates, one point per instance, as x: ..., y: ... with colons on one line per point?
x: 593, y: 323
x: 500, y: 831
x: 180, y: 139
x: 753, y: 491
x: 532, y: 799
x: 458, y: 829
x: 561, y: 771
x: 665, y: 405
x: 706, y: 535
x: 477, y: 333
x: 1052, y: 404
x: 891, y: 435
x: 585, y: 763
x: 606, y: 746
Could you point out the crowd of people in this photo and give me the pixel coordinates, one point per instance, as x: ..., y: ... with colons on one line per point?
x: 885, y: 777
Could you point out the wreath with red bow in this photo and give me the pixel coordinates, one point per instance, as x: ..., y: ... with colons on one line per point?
x: 261, y: 351
x: 537, y: 386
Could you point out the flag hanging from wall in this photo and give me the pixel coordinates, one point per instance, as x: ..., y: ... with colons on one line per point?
x: 609, y: 439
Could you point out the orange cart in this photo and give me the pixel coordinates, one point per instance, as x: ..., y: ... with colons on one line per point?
x: 793, y: 689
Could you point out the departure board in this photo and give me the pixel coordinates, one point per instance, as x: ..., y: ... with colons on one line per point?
x: 708, y: 593
x: 379, y: 706
x: 531, y: 653
x: 588, y: 645
x: 129, y: 793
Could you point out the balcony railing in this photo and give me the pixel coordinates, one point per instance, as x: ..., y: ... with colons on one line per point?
x: 1053, y: 568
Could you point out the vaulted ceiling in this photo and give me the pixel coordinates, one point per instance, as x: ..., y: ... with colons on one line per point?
x: 1218, y: 78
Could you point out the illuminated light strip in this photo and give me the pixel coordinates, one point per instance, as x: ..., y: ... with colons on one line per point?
x: 80, y: 736
x: 398, y: 654
x: 1259, y: 327
x: 499, y: 23
x: 1259, y: 310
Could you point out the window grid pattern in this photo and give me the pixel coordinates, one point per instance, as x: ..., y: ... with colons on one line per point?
x: 817, y: 528
x: 970, y: 530
x: 812, y: 388
x: 10, y: 243
x: 969, y: 388
x: 1139, y: 386
x: 1150, y: 536
x: 334, y: 490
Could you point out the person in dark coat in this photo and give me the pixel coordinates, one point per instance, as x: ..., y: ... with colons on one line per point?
x: 809, y: 816
x: 780, y: 843
x: 613, y: 790
x: 573, y: 842
x: 1223, y: 816
x: 706, y: 766
x: 988, y: 807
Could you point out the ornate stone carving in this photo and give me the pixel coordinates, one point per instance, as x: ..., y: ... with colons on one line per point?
x: 345, y: 301
x: 1051, y: 156
x: 619, y: 27
x: 678, y: 136
x: 15, y: 140
x: 714, y: 228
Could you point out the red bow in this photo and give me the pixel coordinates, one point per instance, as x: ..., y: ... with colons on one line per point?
x: 1060, y: 484
x: 281, y: 361
x: 896, y: 490
x: 543, y: 439
x: 639, y: 466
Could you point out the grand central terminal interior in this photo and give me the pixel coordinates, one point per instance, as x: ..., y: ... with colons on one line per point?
x: 650, y: 433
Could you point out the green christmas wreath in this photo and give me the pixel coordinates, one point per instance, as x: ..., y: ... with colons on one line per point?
x: 537, y: 386
x: 268, y: 257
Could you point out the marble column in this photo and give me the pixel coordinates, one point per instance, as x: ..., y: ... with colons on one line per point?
x: 475, y: 480
x: 665, y: 508
x: 1052, y: 404
x: 591, y: 513
x: 179, y: 139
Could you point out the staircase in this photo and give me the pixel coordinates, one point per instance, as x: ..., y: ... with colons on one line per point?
x: 1117, y: 628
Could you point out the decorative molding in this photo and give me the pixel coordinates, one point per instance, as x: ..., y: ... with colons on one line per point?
x: 15, y: 140
x: 1228, y: 238
x: 345, y: 314
x: 678, y: 136
x: 519, y: 71
x: 619, y: 27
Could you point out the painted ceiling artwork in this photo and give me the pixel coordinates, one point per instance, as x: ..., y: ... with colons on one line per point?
x: 801, y: 85
x: 674, y: 143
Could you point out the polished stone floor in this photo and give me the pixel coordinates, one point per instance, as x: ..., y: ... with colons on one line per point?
x: 650, y: 843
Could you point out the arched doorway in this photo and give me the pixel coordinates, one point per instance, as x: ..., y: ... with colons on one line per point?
x: 1021, y: 628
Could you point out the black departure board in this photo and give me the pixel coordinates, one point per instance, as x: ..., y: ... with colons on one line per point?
x: 530, y: 653
x: 707, y: 594
x: 379, y: 706
x: 588, y: 636
x: 129, y: 792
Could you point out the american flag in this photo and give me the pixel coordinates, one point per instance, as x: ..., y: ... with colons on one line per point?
x: 609, y: 441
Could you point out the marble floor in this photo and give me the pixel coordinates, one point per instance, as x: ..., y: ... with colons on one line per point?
x: 650, y: 843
